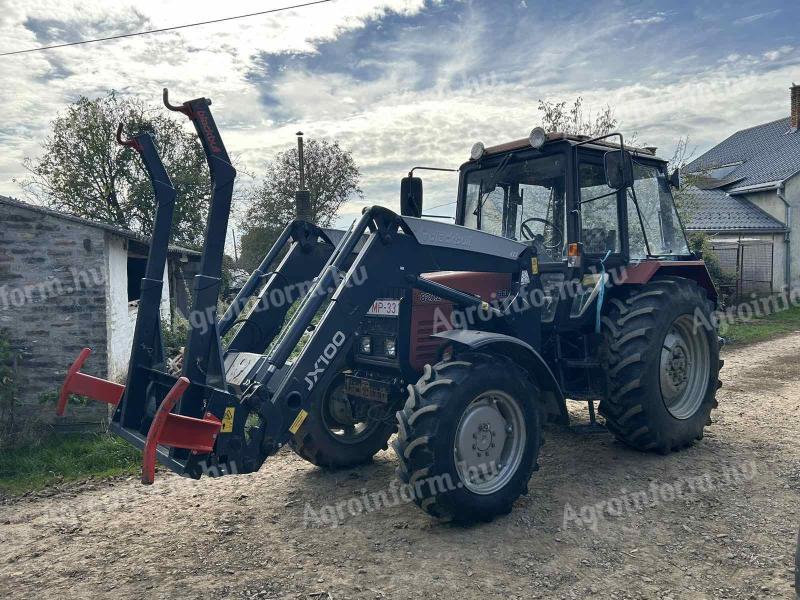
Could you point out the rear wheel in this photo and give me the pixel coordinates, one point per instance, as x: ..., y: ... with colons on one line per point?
x: 333, y: 437
x: 469, y: 437
x: 662, y: 360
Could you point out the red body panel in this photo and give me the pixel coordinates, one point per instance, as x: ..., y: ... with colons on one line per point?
x: 690, y: 269
x: 425, y: 320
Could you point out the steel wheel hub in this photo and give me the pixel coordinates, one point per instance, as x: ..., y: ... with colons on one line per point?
x: 684, y: 367
x: 338, y: 418
x: 490, y: 442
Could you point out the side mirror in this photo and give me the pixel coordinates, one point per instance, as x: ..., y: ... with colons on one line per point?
x: 619, y: 169
x: 675, y: 179
x: 411, y: 197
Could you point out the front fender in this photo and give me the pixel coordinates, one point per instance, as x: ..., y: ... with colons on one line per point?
x: 522, y: 354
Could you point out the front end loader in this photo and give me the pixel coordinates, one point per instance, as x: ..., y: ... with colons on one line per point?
x: 475, y: 334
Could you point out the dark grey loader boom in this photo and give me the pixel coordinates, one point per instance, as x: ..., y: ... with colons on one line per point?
x: 395, y: 252
x: 233, y: 407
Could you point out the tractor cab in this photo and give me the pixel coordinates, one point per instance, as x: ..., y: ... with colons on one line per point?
x: 587, y: 206
x: 577, y: 200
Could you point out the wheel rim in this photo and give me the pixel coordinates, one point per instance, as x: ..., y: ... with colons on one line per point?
x: 490, y: 442
x: 685, y: 365
x: 338, y: 419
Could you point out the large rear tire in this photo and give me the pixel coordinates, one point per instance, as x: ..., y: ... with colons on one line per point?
x: 331, y: 438
x: 469, y: 437
x: 662, y: 361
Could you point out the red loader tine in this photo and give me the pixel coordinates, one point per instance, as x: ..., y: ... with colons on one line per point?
x: 177, y: 431
x: 86, y: 385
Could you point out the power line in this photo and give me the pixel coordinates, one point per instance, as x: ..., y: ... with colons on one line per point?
x: 163, y: 29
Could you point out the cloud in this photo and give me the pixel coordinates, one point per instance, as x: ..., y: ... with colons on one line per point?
x: 399, y: 82
x: 773, y: 55
x: 757, y: 17
x: 657, y: 18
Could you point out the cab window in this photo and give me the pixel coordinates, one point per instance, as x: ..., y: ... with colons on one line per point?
x: 599, y: 211
x: 523, y: 200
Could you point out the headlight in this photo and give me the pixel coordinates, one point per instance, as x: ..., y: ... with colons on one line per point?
x: 477, y: 150
x: 366, y: 344
x: 537, y: 137
x: 390, y: 346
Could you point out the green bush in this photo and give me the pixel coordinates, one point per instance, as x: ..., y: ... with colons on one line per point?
x: 723, y: 280
x: 8, y: 387
x: 174, y: 335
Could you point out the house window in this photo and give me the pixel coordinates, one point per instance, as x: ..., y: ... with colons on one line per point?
x: 136, y: 269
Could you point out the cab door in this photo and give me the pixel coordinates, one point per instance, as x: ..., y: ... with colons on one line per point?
x: 602, y: 215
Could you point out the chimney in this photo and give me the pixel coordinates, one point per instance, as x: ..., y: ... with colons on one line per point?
x: 795, y: 106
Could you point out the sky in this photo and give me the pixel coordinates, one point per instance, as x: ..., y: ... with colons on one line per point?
x: 402, y: 83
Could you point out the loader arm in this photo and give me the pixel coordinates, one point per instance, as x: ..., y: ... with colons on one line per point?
x: 308, y: 248
x: 229, y: 410
x: 396, y: 252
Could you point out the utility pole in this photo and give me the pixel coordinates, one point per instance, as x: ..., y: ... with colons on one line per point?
x: 302, y: 195
x: 235, y: 249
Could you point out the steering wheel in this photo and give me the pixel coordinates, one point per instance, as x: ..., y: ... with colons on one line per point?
x: 528, y: 235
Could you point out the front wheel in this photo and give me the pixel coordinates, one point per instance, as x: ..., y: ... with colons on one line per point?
x: 469, y: 437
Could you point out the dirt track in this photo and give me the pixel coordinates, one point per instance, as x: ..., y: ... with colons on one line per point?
x: 721, y: 522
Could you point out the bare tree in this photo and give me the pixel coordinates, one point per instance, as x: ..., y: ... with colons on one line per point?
x: 574, y: 119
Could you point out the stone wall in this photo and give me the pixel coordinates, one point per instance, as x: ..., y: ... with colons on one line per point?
x: 53, y: 303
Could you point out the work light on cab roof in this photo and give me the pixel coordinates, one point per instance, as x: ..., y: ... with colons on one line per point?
x: 537, y: 137
x: 477, y: 150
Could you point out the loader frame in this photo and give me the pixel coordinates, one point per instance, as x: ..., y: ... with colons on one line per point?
x: 229, y: 410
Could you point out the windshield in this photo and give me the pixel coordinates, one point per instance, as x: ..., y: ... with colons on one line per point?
x: 522, y: 200
x: 658, y: 227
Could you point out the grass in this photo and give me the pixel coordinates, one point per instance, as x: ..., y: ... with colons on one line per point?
x: 764, y: 328
x: 65, y: 458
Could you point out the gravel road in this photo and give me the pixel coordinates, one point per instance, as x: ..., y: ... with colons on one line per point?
x: 718, y: 520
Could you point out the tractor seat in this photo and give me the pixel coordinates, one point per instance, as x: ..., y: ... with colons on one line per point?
x: 597, y: 240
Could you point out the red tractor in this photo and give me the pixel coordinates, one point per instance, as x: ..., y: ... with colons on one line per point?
x: 567, y: 275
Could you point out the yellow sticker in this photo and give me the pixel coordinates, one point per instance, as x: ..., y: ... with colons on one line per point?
x: 227, y: 419
x: 298, y: 421
x: 535, y: 265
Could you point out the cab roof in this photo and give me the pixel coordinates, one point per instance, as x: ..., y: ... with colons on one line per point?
x: 573, y: 139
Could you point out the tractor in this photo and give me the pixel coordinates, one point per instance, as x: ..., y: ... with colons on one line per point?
x: 567, y: 275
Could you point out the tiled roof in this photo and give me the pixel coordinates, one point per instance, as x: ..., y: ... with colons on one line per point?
x: 715, y: 210
x: 120, y: 231
x: 768, y: 153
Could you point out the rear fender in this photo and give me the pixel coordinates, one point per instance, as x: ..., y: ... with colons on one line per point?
x: 521, y: 353
x: 696, y: 270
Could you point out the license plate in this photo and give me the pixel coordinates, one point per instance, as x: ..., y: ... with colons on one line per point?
x: 366, y: 388
x: 384, y: 308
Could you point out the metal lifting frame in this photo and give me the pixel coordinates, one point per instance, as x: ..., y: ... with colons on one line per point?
x: 395, y: 253
x: 177, y: 420
x: 197, y: 423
